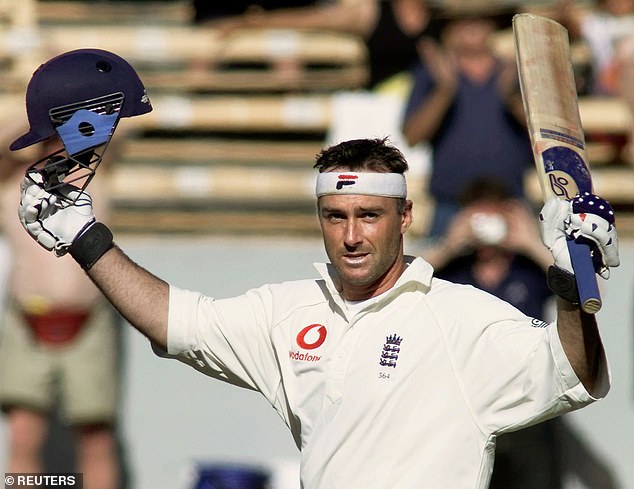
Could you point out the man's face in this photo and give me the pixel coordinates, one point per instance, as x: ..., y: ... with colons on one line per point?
x: 363, y: 239
x: 469, y: 35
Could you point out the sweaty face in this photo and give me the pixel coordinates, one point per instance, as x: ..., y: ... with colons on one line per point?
x: 363, y: 239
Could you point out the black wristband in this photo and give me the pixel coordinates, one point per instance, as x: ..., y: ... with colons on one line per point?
x: 91, y: 245
x: 563, y: 283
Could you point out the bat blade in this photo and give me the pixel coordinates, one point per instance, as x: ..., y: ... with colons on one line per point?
x: 549, y: 93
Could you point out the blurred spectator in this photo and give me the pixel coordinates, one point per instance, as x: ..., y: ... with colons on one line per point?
x: 493, y: 243
x: 465, y: 102
x: 625, y: 54
x: 602, y: 26
x: 607, y: 28
x: 389, y: 28
x: 58, y: 343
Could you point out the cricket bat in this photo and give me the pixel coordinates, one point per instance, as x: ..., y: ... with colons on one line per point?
x: 549, y: 93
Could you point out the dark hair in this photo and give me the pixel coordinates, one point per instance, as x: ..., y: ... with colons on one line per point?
x: 376, y: 155
x: 484, y: 189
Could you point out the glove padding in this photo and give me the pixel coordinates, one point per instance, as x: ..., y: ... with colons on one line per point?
x: 55, y: 219
x: 586, y: 219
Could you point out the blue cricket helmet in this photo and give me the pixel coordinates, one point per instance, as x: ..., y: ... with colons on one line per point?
x: 83, y: 79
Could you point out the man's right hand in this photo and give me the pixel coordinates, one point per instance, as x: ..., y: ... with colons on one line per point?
x: 56, y: 219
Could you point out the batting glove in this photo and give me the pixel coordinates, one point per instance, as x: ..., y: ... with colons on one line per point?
x: 52, y: 220
x: 587, y: 218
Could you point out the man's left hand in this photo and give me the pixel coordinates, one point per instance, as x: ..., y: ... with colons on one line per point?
x: 586, y: 218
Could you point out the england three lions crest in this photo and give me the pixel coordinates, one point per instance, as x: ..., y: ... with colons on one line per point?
x: 390, y: 351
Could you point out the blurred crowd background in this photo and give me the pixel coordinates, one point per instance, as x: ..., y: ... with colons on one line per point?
x: 244, y: 100
x: 245, y: 94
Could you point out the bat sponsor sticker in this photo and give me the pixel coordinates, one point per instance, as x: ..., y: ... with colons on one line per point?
x: 566, y: 171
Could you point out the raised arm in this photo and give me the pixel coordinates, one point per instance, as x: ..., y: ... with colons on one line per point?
x: 140, y: 297
x: 562, y: 220
x: 579, y: 336
x: 424, y: 121
x: 63, y: 222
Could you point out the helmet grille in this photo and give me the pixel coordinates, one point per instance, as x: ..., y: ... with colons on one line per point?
x: 108, y: 104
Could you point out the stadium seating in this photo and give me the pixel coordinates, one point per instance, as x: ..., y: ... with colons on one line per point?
x: 237, y: 120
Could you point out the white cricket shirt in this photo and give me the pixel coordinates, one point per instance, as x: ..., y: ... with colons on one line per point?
x: 408, y: 393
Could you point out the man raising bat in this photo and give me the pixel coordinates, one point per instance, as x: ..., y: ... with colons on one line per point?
x: 386, y: 376
x: 549, y: 94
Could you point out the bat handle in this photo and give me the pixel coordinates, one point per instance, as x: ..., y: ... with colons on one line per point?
x: 589, y: 297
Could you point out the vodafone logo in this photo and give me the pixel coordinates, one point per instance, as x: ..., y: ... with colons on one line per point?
x: 311, y: 337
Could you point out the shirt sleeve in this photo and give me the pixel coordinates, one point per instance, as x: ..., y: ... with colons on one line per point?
x: 228, y: 339
x: 512, y: 368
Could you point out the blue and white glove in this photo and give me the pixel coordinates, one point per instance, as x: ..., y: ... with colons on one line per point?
x: 586, y: 218
x: 53, y: 221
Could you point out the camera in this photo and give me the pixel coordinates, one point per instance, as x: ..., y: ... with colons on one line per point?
x: 488, y: 228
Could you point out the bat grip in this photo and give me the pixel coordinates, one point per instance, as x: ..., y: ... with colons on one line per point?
x: 589, y: 296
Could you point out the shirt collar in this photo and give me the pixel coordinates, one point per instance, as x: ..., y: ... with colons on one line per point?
x: 417, y: 270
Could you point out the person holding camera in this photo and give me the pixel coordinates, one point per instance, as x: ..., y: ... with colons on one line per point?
x: 493, y: 243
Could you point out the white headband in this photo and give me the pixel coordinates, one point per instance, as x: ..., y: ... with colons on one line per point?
x: 364, y: 183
